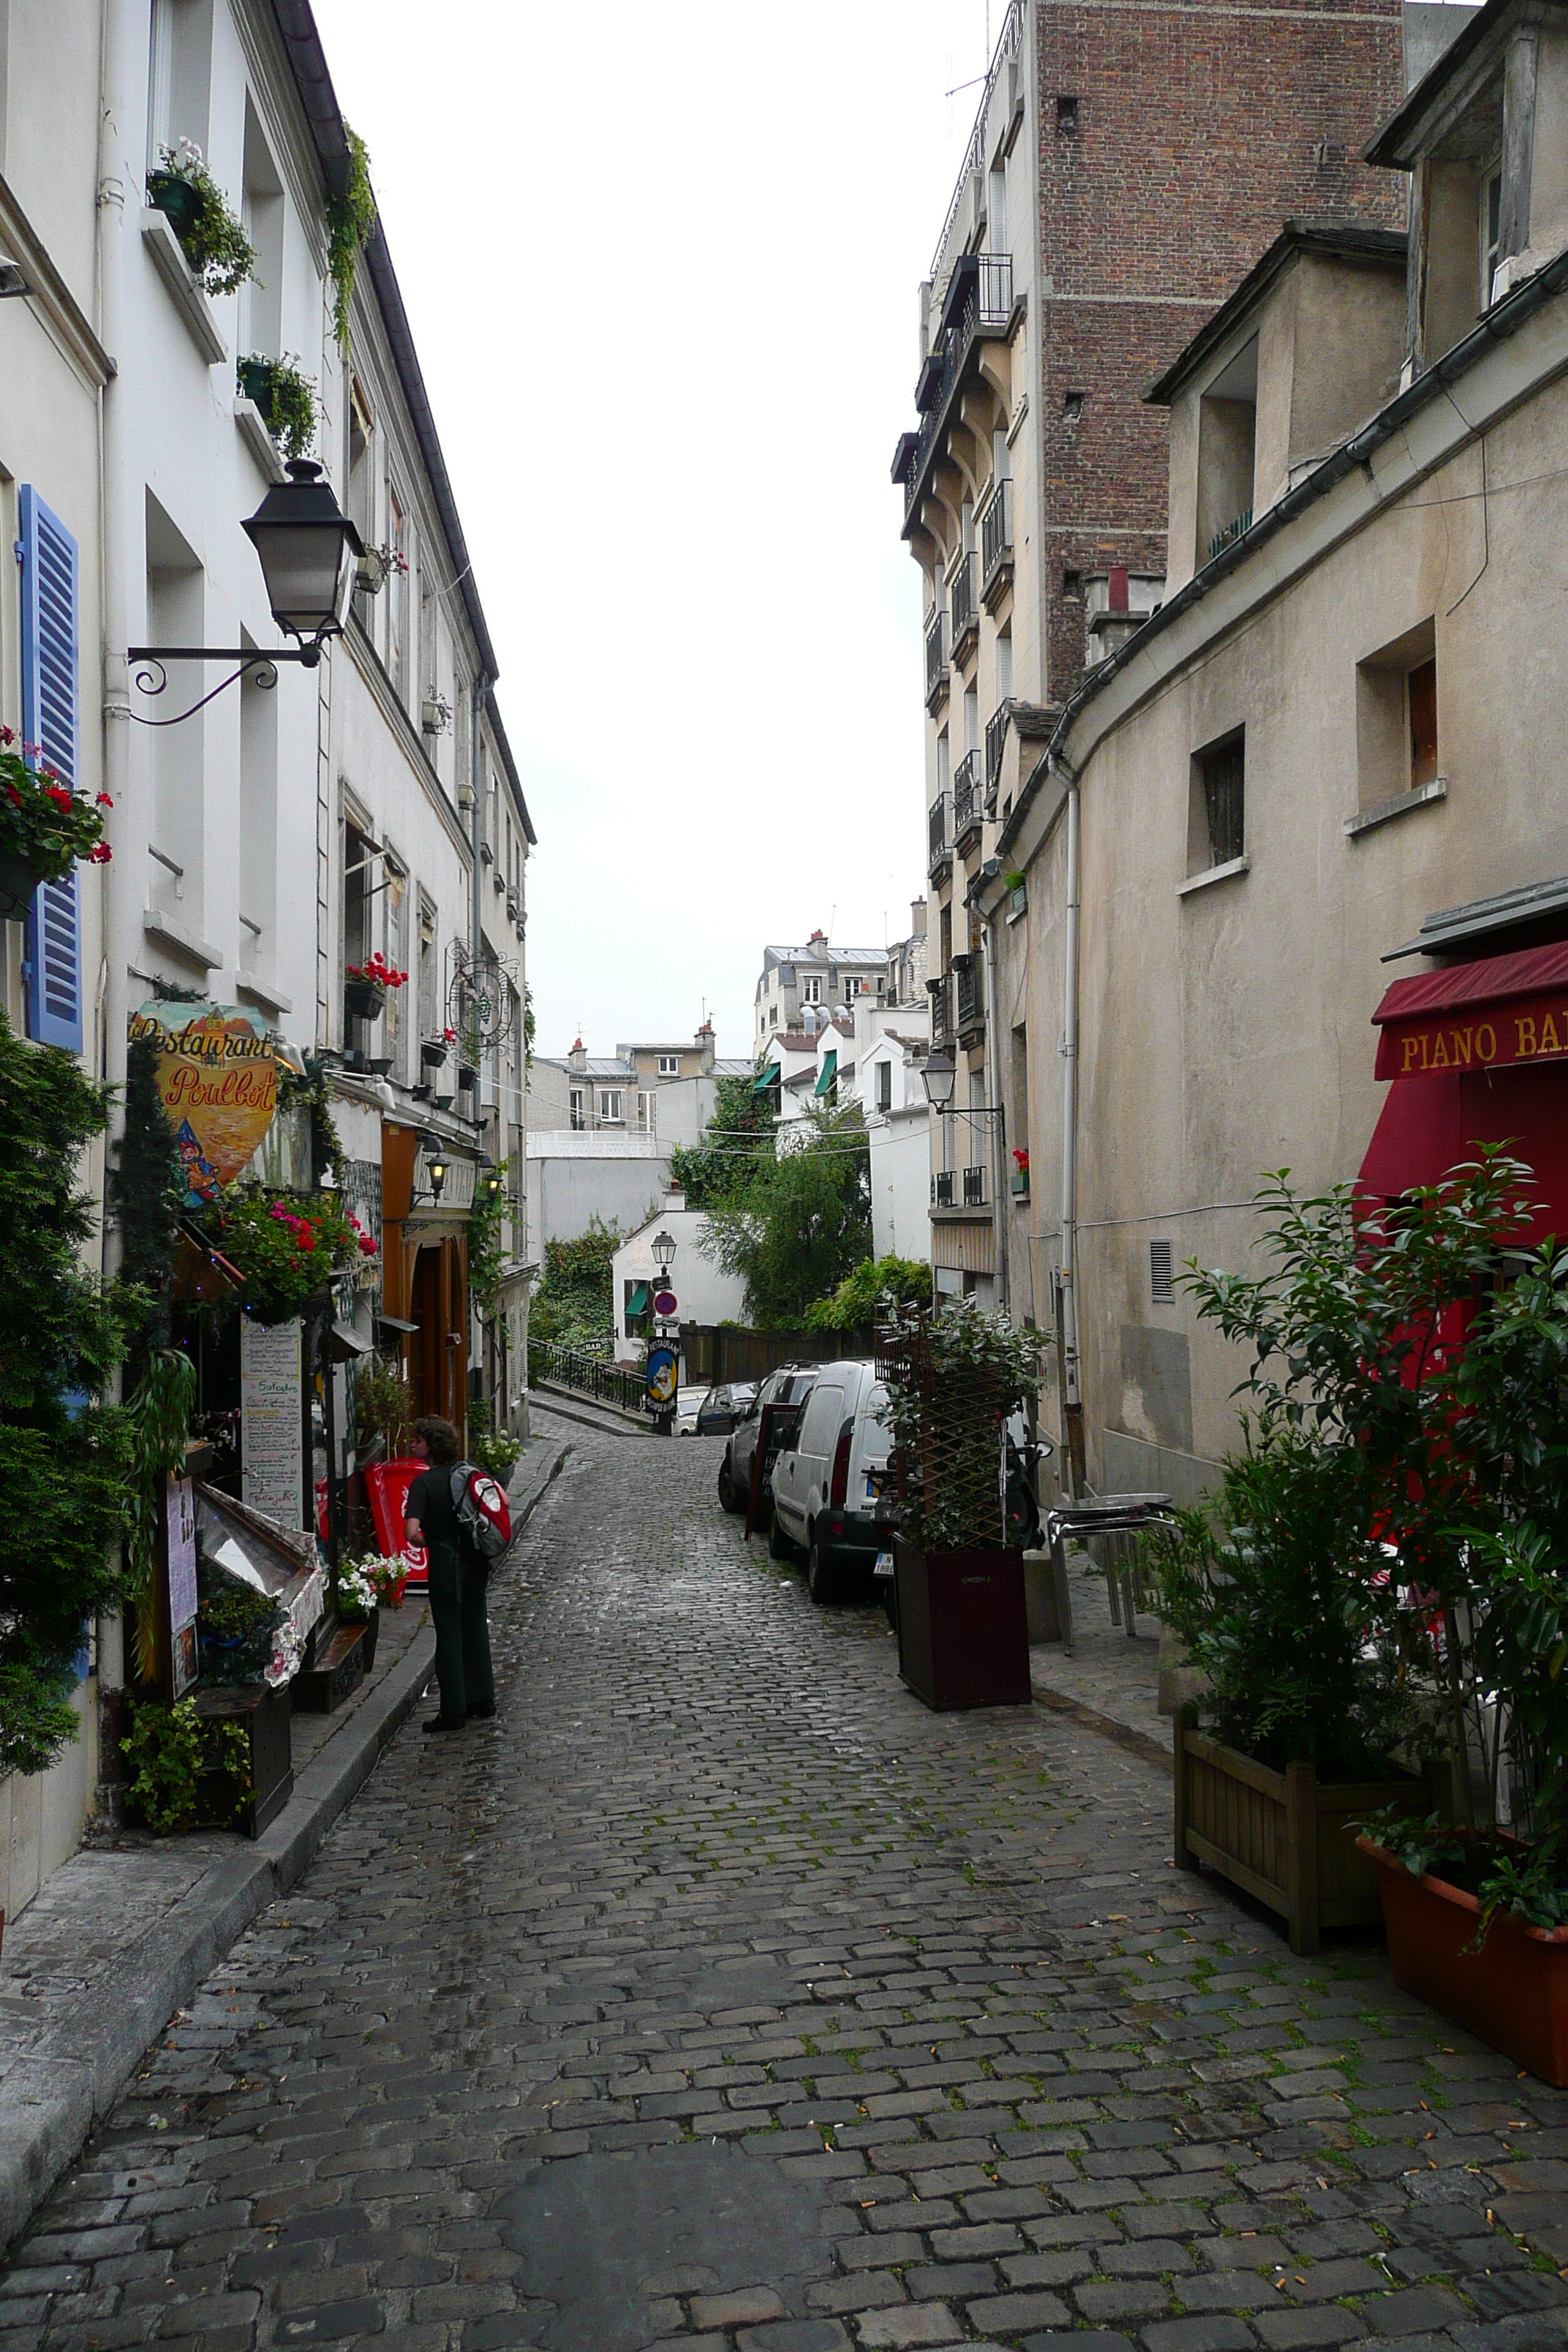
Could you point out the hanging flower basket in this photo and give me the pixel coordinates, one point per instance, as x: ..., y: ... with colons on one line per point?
x: 365, y: 986
x: 468, y: 1077
x: 432, y: 1053
x: 285, y: 1249
x: 44, y: 828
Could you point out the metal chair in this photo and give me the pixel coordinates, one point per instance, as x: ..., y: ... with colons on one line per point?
x: 1113, y: 1519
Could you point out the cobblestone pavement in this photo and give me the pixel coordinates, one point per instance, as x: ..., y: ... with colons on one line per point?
x: 719, y: 1996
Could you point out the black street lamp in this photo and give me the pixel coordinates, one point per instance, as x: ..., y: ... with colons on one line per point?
x: 436, y: 1165
x: 662, y: 1249
x: 305, y: 544
x: 938, y: 1077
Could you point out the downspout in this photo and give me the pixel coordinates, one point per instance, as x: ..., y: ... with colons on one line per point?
x: 1071, y: 1370
x: 999, y: 1193
x: 482, y: 684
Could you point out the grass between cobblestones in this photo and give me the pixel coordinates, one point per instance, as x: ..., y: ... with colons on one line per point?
x: 717, y: 1995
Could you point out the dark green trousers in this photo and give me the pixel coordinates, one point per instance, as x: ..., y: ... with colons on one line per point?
x: 458, y: 1583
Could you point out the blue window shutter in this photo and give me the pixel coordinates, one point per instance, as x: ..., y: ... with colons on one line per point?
x: 49, y: 719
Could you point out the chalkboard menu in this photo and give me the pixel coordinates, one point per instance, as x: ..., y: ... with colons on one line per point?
x: 271, y: 1436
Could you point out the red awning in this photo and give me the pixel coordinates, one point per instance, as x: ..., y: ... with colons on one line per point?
x: 1483, y: 1015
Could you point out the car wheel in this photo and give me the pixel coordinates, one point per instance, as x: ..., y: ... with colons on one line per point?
x: 727, y: 1499
x: 779, y: 1544
x: 821, y: 1576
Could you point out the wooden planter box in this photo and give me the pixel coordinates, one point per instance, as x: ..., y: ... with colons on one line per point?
x: 963, y: 1635
x: 1284, y: 1837
x: 263, y: 1715
x: 1513, y: 1992
x: 336, y: 1670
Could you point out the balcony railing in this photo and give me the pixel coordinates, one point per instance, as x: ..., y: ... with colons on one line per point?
x: 936, y: 652
x: 938, y: 819
x: 969, y: 989
x: 961, y: 598
x: 939, y: 991
x: 985, y: 299
x: 966, y: 809
x: 975, y: 1188
x: 996, y: 534
x: 573, y: 1368
x: 941, y: 1187
x: 996, y: 739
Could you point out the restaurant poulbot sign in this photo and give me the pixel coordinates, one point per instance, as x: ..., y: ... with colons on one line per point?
x: 218, y: 1081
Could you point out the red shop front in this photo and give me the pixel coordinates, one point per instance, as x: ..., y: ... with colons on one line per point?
x: 1477, y: 1052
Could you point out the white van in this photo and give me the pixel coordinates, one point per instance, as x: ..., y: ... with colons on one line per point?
x: 830, y: 1489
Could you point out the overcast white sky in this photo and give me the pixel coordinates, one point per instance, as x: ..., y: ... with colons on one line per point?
x: 661, y: 264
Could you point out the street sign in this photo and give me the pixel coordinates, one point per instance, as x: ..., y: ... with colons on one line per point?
x: 663, y: 1373
x: 664, y: 1302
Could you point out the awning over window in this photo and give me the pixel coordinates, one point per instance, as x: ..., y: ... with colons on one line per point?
x: 1484, y: 1015
x: 637, y: 1303
x: 766, y: 1078
x: 828, y: 1071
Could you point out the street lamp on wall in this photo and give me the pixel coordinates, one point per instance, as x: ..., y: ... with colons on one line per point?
x: 304, y: 543
x: 435, y: 1164
x: 662, y: 1249
x: 940, y: 1076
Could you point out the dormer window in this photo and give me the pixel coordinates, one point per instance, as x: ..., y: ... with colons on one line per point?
x: 1227, y: 441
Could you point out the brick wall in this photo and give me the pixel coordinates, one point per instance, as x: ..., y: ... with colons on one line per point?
x: 1199, y: 132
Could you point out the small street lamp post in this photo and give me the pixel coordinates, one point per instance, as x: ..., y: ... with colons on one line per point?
x: 667, y: 1329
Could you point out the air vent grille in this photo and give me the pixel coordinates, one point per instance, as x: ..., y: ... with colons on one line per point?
x: 1161, y: 1275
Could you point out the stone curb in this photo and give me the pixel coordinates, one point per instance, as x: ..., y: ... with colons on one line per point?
x: 1125, y: 1735
x: 57, y: 2095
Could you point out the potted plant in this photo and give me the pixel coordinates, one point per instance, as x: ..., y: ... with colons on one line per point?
x: 376, y: 567
x: 1020, y: 1172
x: 1016, y: 886
x: 358, y: 1602
x: 434, y: 1051
x: 1321, y: 1591
x: 285, y: 1248
x: 220, y: 255
x: 365, y: 986
x: 952, y: 1381
x: 44, y: 828
x: 285, y: 397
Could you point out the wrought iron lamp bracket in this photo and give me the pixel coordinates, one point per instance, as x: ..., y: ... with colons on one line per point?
x: 151, y: 675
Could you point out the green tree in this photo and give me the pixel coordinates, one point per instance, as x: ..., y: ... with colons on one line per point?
x: 574, y: 1305
x: 736, y: 1143
x: 800, y: 1224
x: 63, y: 1454
x: 861, y: 1298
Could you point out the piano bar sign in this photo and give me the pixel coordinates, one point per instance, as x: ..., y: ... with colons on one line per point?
x: 219, y: 1082
x: 1531, y: 1029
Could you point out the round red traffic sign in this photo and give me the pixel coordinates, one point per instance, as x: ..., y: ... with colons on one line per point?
x: 664, y: 1302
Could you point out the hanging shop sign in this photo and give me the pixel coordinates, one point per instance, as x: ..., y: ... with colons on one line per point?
x: 219, y: 1082
x: 662, y: 1373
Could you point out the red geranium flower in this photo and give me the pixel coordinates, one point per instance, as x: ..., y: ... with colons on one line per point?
x: 57, y: 793
x: 104, y: 800
x: 100, y: 854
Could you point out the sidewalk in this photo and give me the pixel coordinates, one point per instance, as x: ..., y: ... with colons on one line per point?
x: 125, y: 1931
x: 1110, y: 1684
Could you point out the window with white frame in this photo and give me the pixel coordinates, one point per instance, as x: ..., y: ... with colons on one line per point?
x: 578, y: 1114
x: 610, y: 1105
x: 670, y: 1066
x: 811, y: 988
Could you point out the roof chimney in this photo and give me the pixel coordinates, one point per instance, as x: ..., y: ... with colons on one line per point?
x: 916, y: 919
x: 578, y: 1056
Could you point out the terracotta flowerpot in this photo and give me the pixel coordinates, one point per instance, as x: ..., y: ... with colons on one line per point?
x: 1512, y: 1992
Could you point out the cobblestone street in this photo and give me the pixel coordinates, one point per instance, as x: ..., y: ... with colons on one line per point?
x: 719, y: 1995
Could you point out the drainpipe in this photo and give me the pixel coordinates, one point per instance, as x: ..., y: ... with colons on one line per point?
x: 999, y: 1193
x: 1071, y: 1370
x: 477, y: 773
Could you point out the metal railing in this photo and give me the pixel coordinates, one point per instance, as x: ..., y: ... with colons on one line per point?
x: 1237, y: 528
x: 1006, y: 50
x: 986, y: 310
x: 942, y: 1185
x: 996, y: 532
x: 975, y: 1188
x: 571, y: 1368
x: 969, y: 979
x: 996, y: 740
x: 962, y: 603
x: 937, y: 818
x: 940, y: 993
x: 966, y: 794
x: 936, y: 652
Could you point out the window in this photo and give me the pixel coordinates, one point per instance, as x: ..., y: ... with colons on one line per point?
x: 884, y: 1085
x: 610, y: 1105
x: 1491, y: 231
x: 1067, y: 118
x: 811, y: 988
x: 262, y: 211
x: 397, y: 595
x: 179, y: 93
x: 1216, y: 827
x: 773, y: 1016
x: 1072, y: 583
x: 819, y: 1425
x: 1227, y: 422
x: 670, y: 1066
x: 1161, y: 1275
x: 1072, y: 407
x: 1396, y: 719
x: 853, y: 987
x: 578, y: 1117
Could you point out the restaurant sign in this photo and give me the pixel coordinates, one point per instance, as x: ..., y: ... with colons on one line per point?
x: 219, y: 1082
x: 1493, y: 1037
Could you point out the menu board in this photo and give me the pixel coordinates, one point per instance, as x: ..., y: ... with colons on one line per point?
x: 270, y: 1436
x: 180, y: 1531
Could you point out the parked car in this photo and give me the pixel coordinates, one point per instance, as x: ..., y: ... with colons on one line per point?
x: 828, y: 1487
x: 788, y: 1385
x: 689, y: 1403
x: 722, y: 1407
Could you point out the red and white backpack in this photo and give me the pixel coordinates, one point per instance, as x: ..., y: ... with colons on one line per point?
x: 482, y: 1511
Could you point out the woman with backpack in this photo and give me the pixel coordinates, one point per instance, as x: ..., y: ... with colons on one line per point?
x: 459, y: 1573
